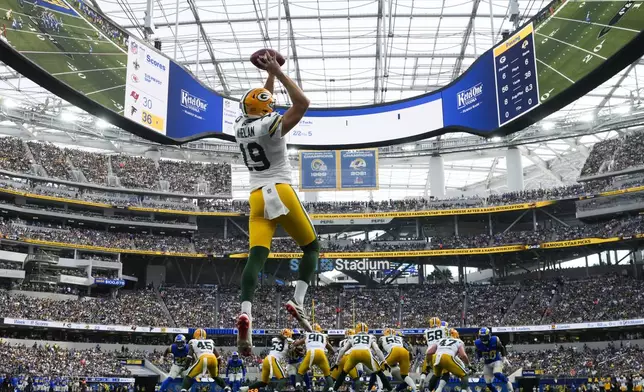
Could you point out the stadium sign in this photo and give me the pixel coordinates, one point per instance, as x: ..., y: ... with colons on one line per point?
x: 353, y: 221
x: 354, y: 265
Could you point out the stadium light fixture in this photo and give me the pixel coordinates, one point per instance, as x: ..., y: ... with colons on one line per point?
x: 588, y: 117
x: 548, y: 126
x: 495, y: 139
x: 102, y: 124
x: 9, y: 103
x: 292, y: 151
x: 623, y: 109
x: 409, y: 147
x: 68, y: 117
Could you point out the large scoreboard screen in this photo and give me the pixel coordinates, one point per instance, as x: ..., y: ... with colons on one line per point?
x: 566, y: 50
x: 515, y: 71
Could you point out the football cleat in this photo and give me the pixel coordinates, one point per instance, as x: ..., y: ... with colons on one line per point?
x: 297, y: 312
x: 244, y: 334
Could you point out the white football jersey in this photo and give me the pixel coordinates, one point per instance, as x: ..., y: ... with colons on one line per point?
x: 315, y: 340
x: 263, y: 149
x: 200, y: 347
x: 344, y: 343
x: 391, y: 341
x: 433, y: 335
x: 362, y: 341
x: 448, y: 346
x: 279, y: 348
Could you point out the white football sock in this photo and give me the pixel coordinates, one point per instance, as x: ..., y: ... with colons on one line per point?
x: 510, y: 387
x: 410, y: 382
x: 246, y: 306
x: 300, y: 291
x: 441, y: 385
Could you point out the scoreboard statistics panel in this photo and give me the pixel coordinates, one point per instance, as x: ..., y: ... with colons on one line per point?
x: 516, y: 75
x: 146, y: 87
x: 566, y: 50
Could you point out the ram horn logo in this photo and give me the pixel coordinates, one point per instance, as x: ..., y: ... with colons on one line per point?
x: 358, y: 163
x: 318, y: 165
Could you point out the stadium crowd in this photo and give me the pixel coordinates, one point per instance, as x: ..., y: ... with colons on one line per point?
x: 132, y: 171
x: 136, y: 308
x: 614, y: 155
x: 53, y: 360
x: 186, y: 177
x: 528, y: 303
x: 214, y: 244
x: 616, y: 360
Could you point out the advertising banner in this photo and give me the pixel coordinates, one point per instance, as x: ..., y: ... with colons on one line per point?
x: 318, y: 170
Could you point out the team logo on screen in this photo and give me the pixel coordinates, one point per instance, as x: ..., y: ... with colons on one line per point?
x: 469, y: 97
x: 134, y: 95
x: 136, y: 65
x: 135, y: 79
x: 193, y: 103
x: 318, y: 165
x: 134, y: 47
x: 358, y: 163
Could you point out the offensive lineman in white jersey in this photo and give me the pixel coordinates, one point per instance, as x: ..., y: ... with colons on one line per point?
x: 316, y: 342
x: 206, y: 361
x: 396, y: 354
x: 450, y: 356
x: 437, y: 330
x: 260, y: 133
x: 271, y: 365
x: 362, y: 348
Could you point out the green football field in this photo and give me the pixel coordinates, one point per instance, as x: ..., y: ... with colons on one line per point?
x: 66, y: 53
x: 568, y: 47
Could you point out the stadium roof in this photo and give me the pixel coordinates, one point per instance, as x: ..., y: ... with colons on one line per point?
x: 357, y: 52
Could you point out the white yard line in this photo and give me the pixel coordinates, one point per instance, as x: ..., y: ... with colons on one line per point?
x: 560, y: 74
x: 574, y: 46
x: 597, y: 24
x: 88, y: 71
x: 105, y: 89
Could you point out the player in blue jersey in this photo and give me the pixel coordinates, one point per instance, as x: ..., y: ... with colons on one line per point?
x: 235, y: 371
x: 490, y: 349
x: 180, y: 361
x: 588, y: 17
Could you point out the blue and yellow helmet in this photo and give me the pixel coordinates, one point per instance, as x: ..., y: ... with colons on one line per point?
x: 235, y: 354
x: 484, y: 334
x: 180, y: 341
